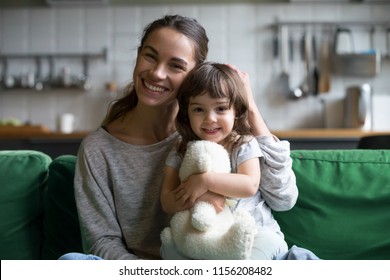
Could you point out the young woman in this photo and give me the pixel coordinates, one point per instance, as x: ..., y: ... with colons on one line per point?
x: 213, y: 106
x: 119, y: 170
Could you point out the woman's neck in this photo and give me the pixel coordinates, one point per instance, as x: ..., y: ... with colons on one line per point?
x: 145, y: 125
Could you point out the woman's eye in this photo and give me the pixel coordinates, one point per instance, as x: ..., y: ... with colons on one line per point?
x: 177, y: 66
x: 150, y: 56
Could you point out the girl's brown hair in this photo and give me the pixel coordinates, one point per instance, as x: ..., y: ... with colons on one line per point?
x: 184, y: 25
x: 219, y: 81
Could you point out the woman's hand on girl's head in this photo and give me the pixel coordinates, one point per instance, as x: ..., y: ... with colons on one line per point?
x: 259, y: 127
x: 247, y: 84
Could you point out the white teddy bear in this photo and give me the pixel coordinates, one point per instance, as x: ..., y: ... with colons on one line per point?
x: 202, y: 233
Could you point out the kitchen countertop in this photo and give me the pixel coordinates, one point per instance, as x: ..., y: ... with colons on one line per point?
x: 322, y: 133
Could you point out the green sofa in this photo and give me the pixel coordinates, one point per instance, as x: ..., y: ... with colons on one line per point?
x: 343, y: 209
x: 38, y: 217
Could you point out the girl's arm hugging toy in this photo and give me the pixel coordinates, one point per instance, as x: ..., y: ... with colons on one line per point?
x: 202, y: 233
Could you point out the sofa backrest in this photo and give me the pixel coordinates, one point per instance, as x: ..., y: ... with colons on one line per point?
x: 342, y: 212
x: 343, y: 208
x: 61, y: 225
x: 23, y: 176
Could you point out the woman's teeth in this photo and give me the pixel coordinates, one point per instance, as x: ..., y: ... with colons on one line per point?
x: 154, y: 88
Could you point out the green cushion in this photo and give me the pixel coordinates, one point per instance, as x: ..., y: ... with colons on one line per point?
x: 61, y: 226
x: 23, y: 175
x: 343, y: 207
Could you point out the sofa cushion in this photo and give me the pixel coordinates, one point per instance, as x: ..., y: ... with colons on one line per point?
x: 342, y: 210
x: 23, y: 175
x: 61, y: 226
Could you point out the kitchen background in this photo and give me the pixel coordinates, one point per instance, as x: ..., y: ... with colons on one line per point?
x: 94, y: 47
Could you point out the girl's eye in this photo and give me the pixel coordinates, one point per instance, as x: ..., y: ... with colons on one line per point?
x: 222, y: 109
x: 197, y: 110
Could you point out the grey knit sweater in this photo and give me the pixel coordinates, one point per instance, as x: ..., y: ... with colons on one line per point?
x: 117, y: 189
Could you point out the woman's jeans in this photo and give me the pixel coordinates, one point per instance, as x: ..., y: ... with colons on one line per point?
x: 79, y: 256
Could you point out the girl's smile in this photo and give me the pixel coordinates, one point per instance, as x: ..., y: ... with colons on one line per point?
x: 211, y: 118
x: 211, y: 130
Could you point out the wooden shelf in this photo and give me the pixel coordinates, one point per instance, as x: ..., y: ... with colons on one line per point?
x: 36, y: 132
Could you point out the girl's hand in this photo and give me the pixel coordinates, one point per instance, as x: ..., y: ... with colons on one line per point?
x: 194, y: 190
x: 217, y: 200
x: 191, y: 189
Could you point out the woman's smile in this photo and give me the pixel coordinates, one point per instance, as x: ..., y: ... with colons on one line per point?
x: 162, y: 64
x: 154, y: 88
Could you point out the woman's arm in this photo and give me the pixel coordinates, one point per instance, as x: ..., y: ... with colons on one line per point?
x: 278, y: 181
x: 101, y: 233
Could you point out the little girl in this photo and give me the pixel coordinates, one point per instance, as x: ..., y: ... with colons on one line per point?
x: 213, y: 107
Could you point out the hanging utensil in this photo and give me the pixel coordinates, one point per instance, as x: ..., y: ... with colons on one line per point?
x: 301, y: 90
x: 388, y: 43
x: 308, y: 62
x: 344, y: 43
x: 324, y: 79
x: 305, y: 87
x: 284, y: 79
x: 275, y: 53
x: 315, y: 74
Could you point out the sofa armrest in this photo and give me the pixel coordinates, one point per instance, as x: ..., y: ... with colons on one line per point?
x: 23, y: 175
x: 61, y: 226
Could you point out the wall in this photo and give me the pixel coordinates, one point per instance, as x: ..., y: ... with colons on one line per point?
x: 239, y: 34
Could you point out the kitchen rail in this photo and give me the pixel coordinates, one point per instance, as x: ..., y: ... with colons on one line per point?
x: 318, y: 139
x: 334, y: 24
